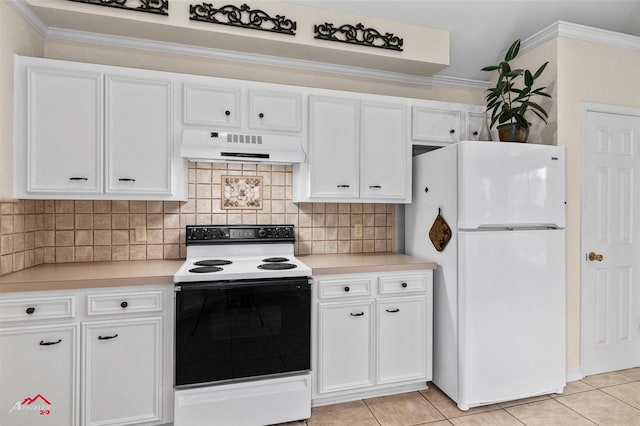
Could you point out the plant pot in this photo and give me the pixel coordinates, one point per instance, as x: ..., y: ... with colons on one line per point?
x: 512, y: 132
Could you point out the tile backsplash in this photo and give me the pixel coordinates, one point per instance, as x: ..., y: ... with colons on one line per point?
x: 33, y: 232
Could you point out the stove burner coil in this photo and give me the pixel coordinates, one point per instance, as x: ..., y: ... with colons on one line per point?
x: 212, y: 262
x: 276, y: 266
x: 275, y: 259
x: 204, y: 269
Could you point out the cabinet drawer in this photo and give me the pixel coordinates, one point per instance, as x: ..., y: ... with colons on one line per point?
x: 124, y: 303
x: 331, y: 289
x: 37, y: 308
x: 403, y: 284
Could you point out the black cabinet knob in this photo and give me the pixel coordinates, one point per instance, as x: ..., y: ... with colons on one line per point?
x: 227, y: 113
x: 30, y: 310
x: 261, y: 115
x: 124, y: 304
x: 346, y: 289
x: 404, y: 285
x: 475, y: 133
x: 426, y: 189
x: 452, y: 131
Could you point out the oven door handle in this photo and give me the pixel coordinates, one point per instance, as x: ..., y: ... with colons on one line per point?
x: 225, y: 285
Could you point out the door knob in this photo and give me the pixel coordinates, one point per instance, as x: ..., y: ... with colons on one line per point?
x: 595, y: 256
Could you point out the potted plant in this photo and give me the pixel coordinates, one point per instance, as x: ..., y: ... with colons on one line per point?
x: 509, y: 103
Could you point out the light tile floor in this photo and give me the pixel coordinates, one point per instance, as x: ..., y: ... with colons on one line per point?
x: 610, y: 399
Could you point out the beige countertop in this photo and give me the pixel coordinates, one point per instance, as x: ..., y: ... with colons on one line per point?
x: 328, y: 264
x: 90, y: 274
x: 143, y: 272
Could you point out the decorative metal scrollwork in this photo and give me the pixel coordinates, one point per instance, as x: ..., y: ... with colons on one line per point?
x: 358, y: 34
x: 242, y: 17
x: 158, y: 7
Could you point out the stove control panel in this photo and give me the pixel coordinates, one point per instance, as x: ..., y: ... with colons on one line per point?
x: 229, y: 234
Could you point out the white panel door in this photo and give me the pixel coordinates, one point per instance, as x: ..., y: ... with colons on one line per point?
x: 511, y: 314
x: 611, y: 207
x: 383, y: 151
x: 435, y: 125
x: 333, y: 147
x: 64, y: 131
x: 275, y: 111
x: 139, y: 137
x: 510, y: 184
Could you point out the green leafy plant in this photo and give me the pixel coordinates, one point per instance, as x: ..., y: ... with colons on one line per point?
x: 510, y: 103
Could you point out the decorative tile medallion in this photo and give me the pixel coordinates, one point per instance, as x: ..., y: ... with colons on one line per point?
x: 242, y: 192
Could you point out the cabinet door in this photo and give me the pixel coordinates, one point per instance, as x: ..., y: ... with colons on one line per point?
x: 64, y: 133
x: 122, y: 362
x: 139, y: 136
x: 275, y: 111
x: 39, y: 370
x: 333, y: 148
x: 211, y: 106
x: 436, y: 125
x: 383, y: 151
x: 345, y: 344
x: 402, y: 339
x: 474, y: 125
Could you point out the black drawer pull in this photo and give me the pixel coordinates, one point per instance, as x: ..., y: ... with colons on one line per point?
x: 124, y: 304
x: 356, y: 314
x: 43, y: 343
x: 375, y: 186
x: 343, y: 186
x: 227, y: 113
x: 261, y: 115
x: 127, y: 180
x: 107, y: 337
x: 30, y: 310
x: 404, y: 285
x: 79, y: 178
x: 346, y: 289
x: 393, y: 311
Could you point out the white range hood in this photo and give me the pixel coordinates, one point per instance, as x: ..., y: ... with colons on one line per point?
x: 207, y: 145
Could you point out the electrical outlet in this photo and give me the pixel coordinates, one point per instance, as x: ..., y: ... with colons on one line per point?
x: 141, y: 233
x: 357, y: 230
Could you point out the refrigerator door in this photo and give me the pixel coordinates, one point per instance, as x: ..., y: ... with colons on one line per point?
x: 511, y: 315
x: 510, y: 184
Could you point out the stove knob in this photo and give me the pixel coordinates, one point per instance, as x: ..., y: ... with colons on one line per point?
x: 222, y: 234
x: 262, y: 232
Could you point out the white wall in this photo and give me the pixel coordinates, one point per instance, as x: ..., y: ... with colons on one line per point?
x: 16, y: 36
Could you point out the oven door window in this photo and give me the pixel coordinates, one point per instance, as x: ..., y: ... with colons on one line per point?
x: 240, y: 330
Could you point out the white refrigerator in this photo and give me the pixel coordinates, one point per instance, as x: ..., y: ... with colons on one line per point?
x: 499, y: 289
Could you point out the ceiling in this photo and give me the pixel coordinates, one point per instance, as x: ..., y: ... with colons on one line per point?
x: 481, y: 30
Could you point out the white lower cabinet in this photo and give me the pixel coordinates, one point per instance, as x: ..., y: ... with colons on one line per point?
x: 372, y: 334
x: 39, y: 375
x: 109, y: 365
x: 122, y: 366
x: 345, y: 346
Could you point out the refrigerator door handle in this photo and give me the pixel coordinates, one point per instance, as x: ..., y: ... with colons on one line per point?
x: 519, y: 227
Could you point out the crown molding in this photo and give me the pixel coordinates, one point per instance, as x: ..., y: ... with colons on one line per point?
x: 24, y: 10
x: 578, y: 32
x: 253, y: 58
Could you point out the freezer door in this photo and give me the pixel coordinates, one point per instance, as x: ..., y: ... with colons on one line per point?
x: 510, y: 184
x: 511, y: 315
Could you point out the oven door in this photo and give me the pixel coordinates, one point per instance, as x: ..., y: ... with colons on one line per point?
x: 231, y: 330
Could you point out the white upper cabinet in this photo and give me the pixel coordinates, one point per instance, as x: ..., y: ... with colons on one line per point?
x: 279, y: 111
x: 85, y: 131
x: 138, y: 135
x: 474, y: 125
x: 436, y: 125
x: 383, y: 151
x: 63, y: 132
x: 206, y: 105
x: 333, y: 148
x: 358, y: 152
